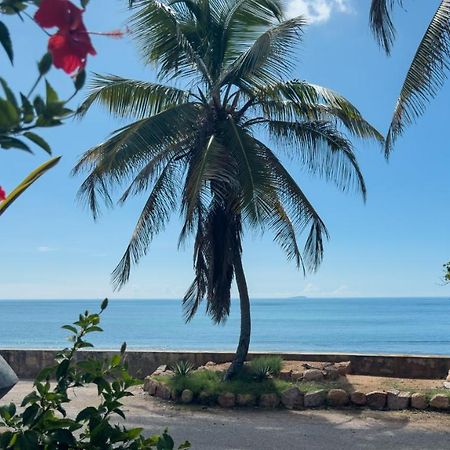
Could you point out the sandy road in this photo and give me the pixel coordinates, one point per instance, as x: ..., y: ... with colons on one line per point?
x: 217, y: 429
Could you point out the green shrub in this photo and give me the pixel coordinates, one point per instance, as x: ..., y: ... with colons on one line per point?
x: 265, y: 366
x: 182, y: 368
x: 42, y: 423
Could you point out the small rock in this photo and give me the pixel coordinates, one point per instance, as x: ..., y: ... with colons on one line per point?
x: 269, y: 400
x: 297, y: 375
x: 448, y: 376
x: 331, y: 373
x: 447, y: 384
x: 419, y: 401
x: 337, y: 397
x: 285, y: 375
x: 292, y: 398
x: 344, y: 367
x: 312, y: 375
x: 206, y: 398
x: 187, y: 396
x: 439, y: 401
x: 376, y: 399
x: 358, y: 398
x: 150, y: 385
x: 398, y: 400
x: 210, y: 364
x: 160, y: 370
x: 315, y: 399
x: 245, y: 400
x: 226, y: 400
x: 162, y: 391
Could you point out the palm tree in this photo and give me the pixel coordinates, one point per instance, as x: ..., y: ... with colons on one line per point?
x: 205, y: 148
x: 429, y: 67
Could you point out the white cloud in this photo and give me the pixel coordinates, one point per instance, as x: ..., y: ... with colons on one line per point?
x: 317, y: 11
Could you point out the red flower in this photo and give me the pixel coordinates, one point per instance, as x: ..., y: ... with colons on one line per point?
x: 71, y: 44
x: 2, y: 194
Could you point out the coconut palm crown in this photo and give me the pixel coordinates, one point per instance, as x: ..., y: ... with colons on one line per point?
x: 429, y: 67
x: 205, y: 150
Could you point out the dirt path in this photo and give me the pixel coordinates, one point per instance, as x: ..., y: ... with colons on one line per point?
x: 218, y: 429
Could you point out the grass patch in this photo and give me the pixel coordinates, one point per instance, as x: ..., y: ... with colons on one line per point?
x: 212, y: 383
x: 265, y: 366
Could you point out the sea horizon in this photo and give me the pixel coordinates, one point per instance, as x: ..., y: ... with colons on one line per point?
x: 390, y: 325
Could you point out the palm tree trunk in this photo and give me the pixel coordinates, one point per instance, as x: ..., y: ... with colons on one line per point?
x: 244, y: 339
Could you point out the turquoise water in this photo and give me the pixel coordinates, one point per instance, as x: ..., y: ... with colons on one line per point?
x: 387, y: 325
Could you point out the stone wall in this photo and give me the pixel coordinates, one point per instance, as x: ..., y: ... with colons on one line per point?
x: 27, y: 363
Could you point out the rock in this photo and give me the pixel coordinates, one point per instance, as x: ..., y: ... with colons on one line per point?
x: 150, y: 385
x: 296, y: 375
x: 206, y: 398
x: 162, y: 391
x: 226, y: 400
x: 331, y: 373
x: 160, y: 370
x: 285, y: 375
x: 398, y: 400
x: 269, y: 400
x: 447, y: 384
x: 313, y: 375
x: 376, y: 399
x: 292, y: 398
x: 358, y: 398
x: 169, y: 373
x: 439, y: 401
x: 337, y: 397
x: 210, y: 364
x: 344, y: 367
x: 245, y: 400
x: 448, y: 376
x: 314, y: 399
x: 419, y: 401
x: 187, y: 396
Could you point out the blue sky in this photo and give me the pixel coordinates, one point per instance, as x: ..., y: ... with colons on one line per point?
x: 394, y: 245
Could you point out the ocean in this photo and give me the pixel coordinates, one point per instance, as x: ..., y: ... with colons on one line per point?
x: 356, y: 325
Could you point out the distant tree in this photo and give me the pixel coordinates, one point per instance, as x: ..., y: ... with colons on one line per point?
x: 205, y: 148
x: 447, y: 273
x: 429, y: 67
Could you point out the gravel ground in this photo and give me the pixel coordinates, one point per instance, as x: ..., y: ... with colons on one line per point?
x: 217, y: 429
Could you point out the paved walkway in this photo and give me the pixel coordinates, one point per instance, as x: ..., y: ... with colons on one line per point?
x: 217, y: 429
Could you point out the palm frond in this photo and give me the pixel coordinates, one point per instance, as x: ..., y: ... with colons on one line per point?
x: 322, y: 149
x: 130, y: 98
x: 264, y: 61
x: 426, y: 75
x: 131, y: 148
x: 154, y: 216
x: 162, y: 41
x: 381, y: 22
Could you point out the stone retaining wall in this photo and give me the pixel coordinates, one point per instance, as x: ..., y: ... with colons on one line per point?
x: 27, y: 363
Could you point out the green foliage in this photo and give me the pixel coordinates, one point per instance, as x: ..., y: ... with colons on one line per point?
x: 266, y: 366
x: 182, y: 368
x: 428, y: 70
x: 213, y: 383
x: 43, y: 424
x: 447, y: 272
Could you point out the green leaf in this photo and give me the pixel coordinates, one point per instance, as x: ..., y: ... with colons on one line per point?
x: 104, y: 304
x: 38, y: 140
x: 80, y: 80
x: 86, y: 414
x: 27, y: 109
x: 5, y: 41
x: 27, y: 182
x: 84, y: 3
x: 70, y: 328
x: 52, y: 96
x: 45, y: 64
x: 9, y: 116
x: 9, y: 94
x: 8, y: 142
